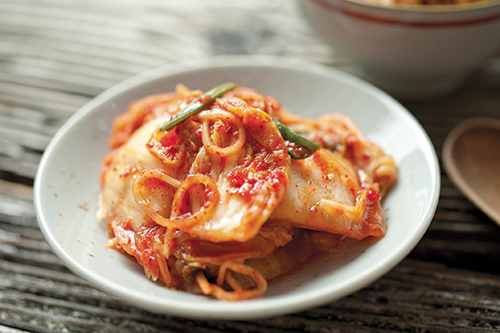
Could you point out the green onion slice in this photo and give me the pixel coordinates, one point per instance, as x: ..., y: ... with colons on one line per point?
x: 293, y: 137
x: 198, y: 104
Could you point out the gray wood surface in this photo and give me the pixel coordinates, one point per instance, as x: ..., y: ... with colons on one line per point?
x: 56, y: 55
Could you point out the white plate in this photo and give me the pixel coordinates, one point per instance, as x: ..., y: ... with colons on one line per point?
x: 67, y: 185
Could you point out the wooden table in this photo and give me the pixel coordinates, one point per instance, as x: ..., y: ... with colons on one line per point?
x: 57, y: 55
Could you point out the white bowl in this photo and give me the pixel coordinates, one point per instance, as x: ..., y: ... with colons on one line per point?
x: 67, y: 185
x: 414, y: 51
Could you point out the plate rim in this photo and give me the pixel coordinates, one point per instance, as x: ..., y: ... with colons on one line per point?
x: 254, y: 308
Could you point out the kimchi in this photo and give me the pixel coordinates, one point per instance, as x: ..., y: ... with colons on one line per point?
x: 221, y: 194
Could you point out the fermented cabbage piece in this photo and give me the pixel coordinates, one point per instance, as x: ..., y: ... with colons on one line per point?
x: 325, y: 194
x: 338, y: 133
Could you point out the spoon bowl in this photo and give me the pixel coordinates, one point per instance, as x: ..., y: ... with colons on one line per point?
x: 471, y: 156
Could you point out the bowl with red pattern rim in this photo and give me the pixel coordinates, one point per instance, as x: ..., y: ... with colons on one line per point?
x: 67, y: 186
x: 410, y: 51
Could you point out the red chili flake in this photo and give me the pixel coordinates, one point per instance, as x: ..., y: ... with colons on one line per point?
x: 372, y: 195
x: 237, y: 178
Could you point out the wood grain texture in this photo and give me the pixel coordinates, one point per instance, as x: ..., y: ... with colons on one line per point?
x: 57, y: 55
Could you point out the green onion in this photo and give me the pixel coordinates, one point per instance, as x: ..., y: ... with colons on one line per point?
x: 293, y: 137
x: 196, y: 105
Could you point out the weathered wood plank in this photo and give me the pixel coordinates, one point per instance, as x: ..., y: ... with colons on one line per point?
x: 55, y: 56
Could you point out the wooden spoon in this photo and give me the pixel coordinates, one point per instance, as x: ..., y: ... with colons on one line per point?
x: 471, y: 157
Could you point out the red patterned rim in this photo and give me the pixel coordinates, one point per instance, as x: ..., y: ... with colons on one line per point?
x: 435, y: 24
